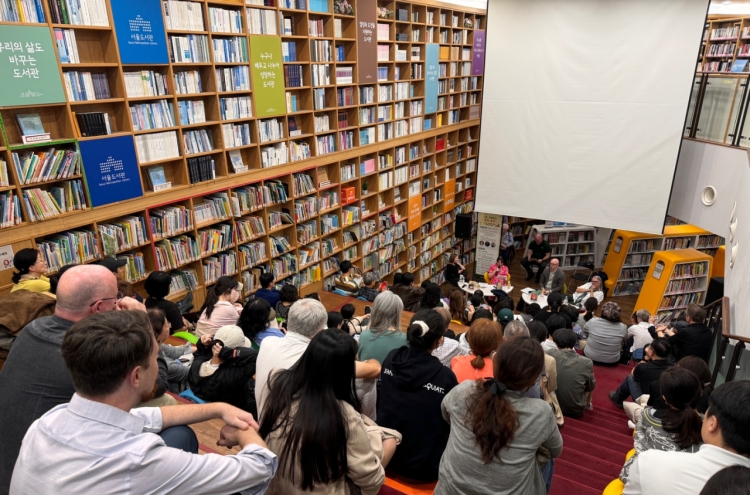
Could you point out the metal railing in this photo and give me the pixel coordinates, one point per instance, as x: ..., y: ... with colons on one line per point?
x: 718, y: 109
x: 727, y: 358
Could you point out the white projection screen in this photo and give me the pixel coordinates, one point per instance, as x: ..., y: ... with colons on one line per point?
x: 584, y: 107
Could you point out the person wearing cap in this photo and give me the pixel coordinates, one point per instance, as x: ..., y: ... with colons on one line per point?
x: 223, y: 369
x: 116, y: 265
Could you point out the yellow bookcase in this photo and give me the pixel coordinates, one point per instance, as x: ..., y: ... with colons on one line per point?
x: 674, y: 280
x: 630, y: 254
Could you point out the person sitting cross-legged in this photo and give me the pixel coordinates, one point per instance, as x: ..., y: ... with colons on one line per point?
x: 639, y: 381
x: 575, y: 375
x: 593, y: 288
x: 348, y: 281
x: 369, y: 289
x: 726, y: 442
x: 98, y: 443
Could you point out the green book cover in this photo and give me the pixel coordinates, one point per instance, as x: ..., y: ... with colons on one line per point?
x: 28, y: 67
x: 267, y: 66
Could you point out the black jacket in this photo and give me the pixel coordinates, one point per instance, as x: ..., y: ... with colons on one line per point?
x: 413, y: 385
x: 233, y: 382
x: 693, y: 340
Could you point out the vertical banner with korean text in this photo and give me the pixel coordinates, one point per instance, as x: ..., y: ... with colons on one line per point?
x: 432, y: 52
x: 367, y: 45
x: 489, y: 230
x: 28, y: 67
x: 268, y: 75
x: 477, y: 55
x: 415, y: 212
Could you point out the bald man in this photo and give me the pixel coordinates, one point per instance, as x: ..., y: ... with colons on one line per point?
x: 34, y: 378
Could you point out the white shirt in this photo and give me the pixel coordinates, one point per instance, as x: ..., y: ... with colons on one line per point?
x: 598, y: 294
x: 656, y: 472
x: 276, y: 353
x: 449, y: 349
x: 640, y: 335
x: 548, y: 344
x: 89, y: 447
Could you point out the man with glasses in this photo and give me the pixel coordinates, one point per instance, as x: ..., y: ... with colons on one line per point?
x: 34, y: 378
x: 553, y: 278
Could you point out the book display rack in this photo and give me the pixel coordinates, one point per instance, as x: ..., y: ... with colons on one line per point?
x: 201, y: 124
x: 674, y: 280
x: 571, y: 245
x: 630, y: 254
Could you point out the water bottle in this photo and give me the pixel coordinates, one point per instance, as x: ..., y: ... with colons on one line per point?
x: 461, y: 279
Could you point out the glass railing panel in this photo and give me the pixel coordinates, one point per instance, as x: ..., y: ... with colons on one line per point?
x: 717, y: 108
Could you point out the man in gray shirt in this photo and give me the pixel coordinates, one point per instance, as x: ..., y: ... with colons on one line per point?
x: 575, y: 374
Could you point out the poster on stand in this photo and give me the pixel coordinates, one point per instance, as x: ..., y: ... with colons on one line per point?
x: 489, y: 230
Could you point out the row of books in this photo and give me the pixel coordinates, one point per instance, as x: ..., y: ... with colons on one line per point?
x: 125, y: 233
x: 189, y: 82
x: 84, y: 86
x: 67, y: 48
x: 69, y: 248
x: 224, y: 20
x: 261, y: 21
x: 201, y: 169
x: 289, y: 51
x: 671, y: 243
x: 236, y: 135
x: 230, y: 50
x: 135, y: 269
x: 51, y: 164
x: 270, y: 130
x: 189, y: 48
x: 78, y: 12
x: 183, y: 16
x: 215, y: 239
x: 157, y: 146
x: 306, y: 232
x: 175, y: 252
x: 10, y: 209
x: 680, y: 301
x: 685, y: 285
x: 249, y: 228
x: 252, y: 254
x: 154, y: 115
x: 170, y: 220
x: 144, y: 83
x: 272, y: 156
x: 183, y: 280
x: 93, y: 124
x: 225, y: 264
x: 293, y: 77
x: 233, y: 79
x: 42, y: 204
x: 191, y: 112
x: 690, y: 270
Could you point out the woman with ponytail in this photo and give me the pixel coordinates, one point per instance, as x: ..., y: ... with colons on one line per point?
x: 31, y: 268
x: 496, y: 433
x: 413, y: 384
x: 221, y: 306
x: 672, y: 425
x: 484, y: 337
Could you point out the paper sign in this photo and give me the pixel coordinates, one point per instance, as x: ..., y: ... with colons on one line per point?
x: 6, y: 257
x: 450, y: 194
x: 415, y: 212
x: 268, y: 75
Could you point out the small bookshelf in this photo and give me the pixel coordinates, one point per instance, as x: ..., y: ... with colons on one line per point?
x: 571, y: 245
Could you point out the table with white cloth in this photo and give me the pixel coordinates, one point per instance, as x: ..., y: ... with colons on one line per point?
x: 484, y: 287
x: 541, y: 299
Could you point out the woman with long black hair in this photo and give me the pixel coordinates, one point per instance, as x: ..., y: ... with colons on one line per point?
x: 326, y: 449
x: 496, y: 433
x: 221, y: 307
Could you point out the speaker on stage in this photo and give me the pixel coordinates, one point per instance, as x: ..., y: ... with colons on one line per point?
x: 715, y: 290
x: 463, y: 225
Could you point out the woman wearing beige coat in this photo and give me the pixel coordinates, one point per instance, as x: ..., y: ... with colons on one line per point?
x: 329, y: 449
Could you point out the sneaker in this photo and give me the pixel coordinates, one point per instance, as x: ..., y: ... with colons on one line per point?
x: 631, y: 425
x: 614, y: 399
x: 368, y: 310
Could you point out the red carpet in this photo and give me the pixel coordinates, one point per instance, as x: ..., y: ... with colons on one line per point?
x: 594, y: 445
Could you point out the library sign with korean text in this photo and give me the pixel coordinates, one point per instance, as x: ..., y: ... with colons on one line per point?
x: 367, y: 46
x: 111, y: 170
x: 432, y: 53
x: 28, y: 67
x: 140, y: 31
x: 268, y: 75
x: 477, y: 56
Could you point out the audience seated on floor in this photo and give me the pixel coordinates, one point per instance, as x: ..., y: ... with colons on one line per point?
x: 484, y: 337
x: 431, y: 297
x: 257, y: 322
x: 98, y: 443
x: 553, y: 278
x: 605, y: 336
x: 413, y: 384
x: 288, y: 295
x: 157, y: 286
x: 31, y: 267
x: 700, y: 368
x: 529, y: 311
x: 554, y: 303
x: 692, y: 340
x: 639, y: 330
x: 369, y: 289
x: 726, y: 442
x: 117, y: 266
x: 639, y: 381
x: 476, y: 302
x: 575, y: 375
x: 538, y: 332
x: 221, y: 306
x: 307, y: 317
x: 589, y: 306
x: 449, y: 344
x: 732, y: 480
x: 20, y: 308
x: 672, y: 425
x: 537, y: 254
x: 384, y: 333
x: 554, y: 323
x: 334, y: 320
x: 348, y: 281
x: 173, y: 372
x: 409, y: 294
x: 324, y: 451
x: 223, y: 368
x: 34, y: 378
x: 267, y: 290
x: 594, y: 288
x: 497, y: 435
x: 351, y: 324
x: 457, y: 307
x: 478, y: 315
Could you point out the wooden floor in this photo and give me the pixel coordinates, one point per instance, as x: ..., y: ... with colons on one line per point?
x: 208, y: 432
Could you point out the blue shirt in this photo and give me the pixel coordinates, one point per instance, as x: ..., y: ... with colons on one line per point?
x: 91, y: 447
x: 270, y: 295
x: 268, y: 332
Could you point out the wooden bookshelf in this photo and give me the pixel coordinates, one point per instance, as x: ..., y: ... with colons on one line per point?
x: 630, y: 254
x: 570, y: 245
x: 521, y: 228
x: 445, y: 144
x: 674, y: 280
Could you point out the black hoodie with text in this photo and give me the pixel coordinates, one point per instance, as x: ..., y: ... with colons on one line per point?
x: 413, y: 385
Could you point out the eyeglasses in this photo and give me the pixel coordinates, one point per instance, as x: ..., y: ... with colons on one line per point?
x: 116, y: 298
